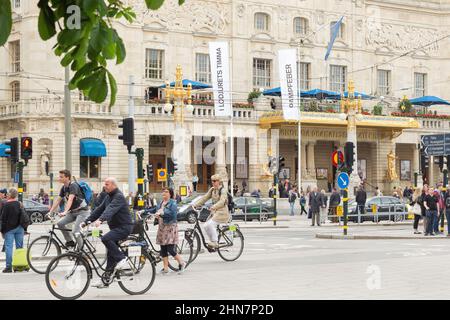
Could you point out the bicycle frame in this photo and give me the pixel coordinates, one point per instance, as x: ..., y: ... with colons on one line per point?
x: 54, y: 236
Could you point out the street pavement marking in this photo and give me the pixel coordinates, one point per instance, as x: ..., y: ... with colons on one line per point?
x: 296, y: 239
x: 256, y: 243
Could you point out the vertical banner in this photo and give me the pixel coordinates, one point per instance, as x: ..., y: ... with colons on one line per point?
x: 220, y: 76
x: 287, y: 63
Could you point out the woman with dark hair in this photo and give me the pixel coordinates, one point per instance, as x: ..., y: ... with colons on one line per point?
x: 167, y: 237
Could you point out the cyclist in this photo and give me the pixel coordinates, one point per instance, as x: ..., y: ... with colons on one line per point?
x: 114, y: 209
x: 219, y: 209
x: 76, y: 208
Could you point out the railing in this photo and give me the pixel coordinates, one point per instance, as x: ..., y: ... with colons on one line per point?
x: 395, y: 213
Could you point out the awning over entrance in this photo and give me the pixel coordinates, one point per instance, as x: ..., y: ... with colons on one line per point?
x: 3, y: 148
x: 92, y: 148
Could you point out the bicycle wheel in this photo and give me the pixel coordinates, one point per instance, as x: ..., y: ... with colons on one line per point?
x: 231, y: 244
x: 68, y: 276
x: 184, y: 249
x: 40, y: 252
x: 196, y: 245
x: 140, y: 278
x: 101, y: 252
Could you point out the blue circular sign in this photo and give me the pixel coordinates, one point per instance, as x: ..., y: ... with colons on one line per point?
x: 343, y: 180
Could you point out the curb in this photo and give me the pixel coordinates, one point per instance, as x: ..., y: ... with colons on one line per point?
x: 357, y: 237
x: 263, y: 227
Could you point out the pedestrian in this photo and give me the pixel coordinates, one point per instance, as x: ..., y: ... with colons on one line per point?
x: 303, y: 203
x: 421, y: 201
x: 438, y: 195
x: 417, y: 209
x: 361, y: 197
x: 99, y: 198
x: 235, y: 189
x: 178, y: 198
x: 447, y: 209
x: 286, y: 188
x: 315, y: 202
x: 3, y: 193
x: 167, y: 236
x: 431, y: 203
x: 11, y: 228
x: 272, y: 191
x: 323, y: 206
x: 195, y: 182
x: 335, y: 200
x: 378, y: 192
x: 244, y: 186
x: 292, y: 197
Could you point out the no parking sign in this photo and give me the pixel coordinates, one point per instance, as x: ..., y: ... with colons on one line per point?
x: 162, y: 175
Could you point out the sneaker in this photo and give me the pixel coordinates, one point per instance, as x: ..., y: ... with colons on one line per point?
x: 7, y: 270
x: 426, y: 234
x: 70, y: 244
x: 99, y: 284
x: 122, y: 264
x: 213, y: 245
x: 432, y: 234
x: 181, y: 268
x: 163, y: 272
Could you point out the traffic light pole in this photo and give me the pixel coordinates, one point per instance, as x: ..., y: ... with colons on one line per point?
x: 345, y: 201
x: 20, y: 166
x: 275, y: 194
x: 140, y: 173
x: 51, y: 188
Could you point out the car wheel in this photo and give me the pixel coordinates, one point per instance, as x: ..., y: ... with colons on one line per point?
x: 191, y: 218
x: 36, y: 217
x: 263, y: 216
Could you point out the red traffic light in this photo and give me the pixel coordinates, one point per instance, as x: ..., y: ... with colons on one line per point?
x: 26, y: 150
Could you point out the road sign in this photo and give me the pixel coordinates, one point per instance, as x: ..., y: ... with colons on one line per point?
x: 340, y: 211
x: 374, y: 208
x: 436, y: 150
x: 162, y: 175
x: 183, y: 191
x: 335, y: 156
x: 436, y: 144
x: 343, y: 180
x: 433, y: 139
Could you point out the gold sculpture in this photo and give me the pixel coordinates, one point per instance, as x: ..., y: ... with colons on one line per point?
x: 391, y: 172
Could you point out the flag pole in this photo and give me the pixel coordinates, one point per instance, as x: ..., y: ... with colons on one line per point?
x: 231, y: 128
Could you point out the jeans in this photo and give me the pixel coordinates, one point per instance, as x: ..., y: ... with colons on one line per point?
x: 447, y: 216
x: 11, y: 236
x: 78, y: 217
x: 292, y: 204
x: 431, y: 214
x: 110, y: 240
x: 210, y: 227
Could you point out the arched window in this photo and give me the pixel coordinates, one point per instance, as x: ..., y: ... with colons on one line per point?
x: 300, y: 26
x: 15, y: 91
x: 261, y: 21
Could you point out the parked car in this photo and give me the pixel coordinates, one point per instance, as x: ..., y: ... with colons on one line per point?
x: 385, y: 204
x: 251, y: 208
x: 185, y: 211
x: 37, y: 211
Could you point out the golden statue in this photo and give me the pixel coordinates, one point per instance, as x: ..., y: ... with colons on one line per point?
x: 392, y: 174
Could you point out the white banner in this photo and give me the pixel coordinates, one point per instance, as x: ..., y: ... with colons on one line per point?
x: 220, y: 75
x: 287, y: 64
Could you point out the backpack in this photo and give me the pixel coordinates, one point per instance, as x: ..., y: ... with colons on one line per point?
x: 229, y: 202
x: 292, y: 197
x: 24, y: 219
x: 86, y: 190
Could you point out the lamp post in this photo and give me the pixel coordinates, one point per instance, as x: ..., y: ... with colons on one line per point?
x: 179, y: 95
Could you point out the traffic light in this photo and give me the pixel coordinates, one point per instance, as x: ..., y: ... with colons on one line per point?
x: 143, y: 172
x: 26, y: 148
x: 150, y: 172
x: 127, y: 135
x: 13, y: 150
x: 280, y: 163
x: 349, y: 155
x: 175, y: 166
x: 441, y: 162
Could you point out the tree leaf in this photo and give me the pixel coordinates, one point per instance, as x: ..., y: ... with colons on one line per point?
x: 180, y: 2
x: 86, y: 69
x: 66, y: 60
x: 89, y: 5
x: 5, y: 20
x: 109, y: 52
x: 120, y: 47
x: 46, y: 23
x: 113, y: 87
x: 154, y: 4
x: 99, y: 88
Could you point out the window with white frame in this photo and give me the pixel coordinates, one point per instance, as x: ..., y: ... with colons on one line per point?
x: 261, y: 72
x: 14, y: 51
x: 384, y: 82
x: 154, y: 61
x: 15, y: 91
x: 90, y: 167
x: 16, y: 4
x: 304, y: 75
x: 420, y: 82
x: 340, y: 34
x: 300, y: 26
x: 202, y: 68
x: 338, y: 76
x: 261, y: 21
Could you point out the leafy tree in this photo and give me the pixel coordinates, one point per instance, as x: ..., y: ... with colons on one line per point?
x: 253, y: 95
x: 377, y: 110
x: 85, y: 37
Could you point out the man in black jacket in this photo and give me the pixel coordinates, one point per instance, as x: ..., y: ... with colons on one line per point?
x: 335, y: 199
x: 114, y: 209
x: 361, y: 197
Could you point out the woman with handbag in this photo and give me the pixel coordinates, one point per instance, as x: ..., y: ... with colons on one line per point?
x: 167, y: 237
x: 417, y: 209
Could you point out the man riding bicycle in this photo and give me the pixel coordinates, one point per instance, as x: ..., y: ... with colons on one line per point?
x: 76, y: 208
x: 114, y: 209
x: 219, y: 209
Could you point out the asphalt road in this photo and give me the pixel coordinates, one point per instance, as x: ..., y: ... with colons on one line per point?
x: 289, y: 263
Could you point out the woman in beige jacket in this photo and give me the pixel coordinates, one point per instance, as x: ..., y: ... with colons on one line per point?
x: 219, y: 209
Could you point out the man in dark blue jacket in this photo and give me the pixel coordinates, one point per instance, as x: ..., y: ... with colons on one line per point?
x: 114, y: 210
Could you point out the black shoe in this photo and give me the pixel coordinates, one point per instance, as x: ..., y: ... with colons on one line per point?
x: 7, y: 270
x: 70, y: 244
x: 432, y: 234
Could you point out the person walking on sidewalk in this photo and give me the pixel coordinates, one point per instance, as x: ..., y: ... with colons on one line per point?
x: 315, y: 202
x: 292, y: 197
x: 431, y: 204
x: 447, y: 209
x: 11, y: 229
x: 302, y: 201
x: 361, y: 197
x: 323, y: 206
x: 417, y: 209
x: 335, y: 200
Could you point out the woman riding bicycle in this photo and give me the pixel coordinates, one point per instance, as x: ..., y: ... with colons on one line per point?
x: 219, y: 209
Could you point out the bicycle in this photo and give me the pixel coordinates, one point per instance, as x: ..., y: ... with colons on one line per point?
x: 50, y: 246
x: 183, y: 248
x: 230, y: 239
x: 68, y: 276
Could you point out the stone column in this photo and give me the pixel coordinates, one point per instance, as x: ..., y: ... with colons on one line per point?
x: 310, y: 165
x: 304, y: 166
x: 415, y: 165
x: 254, y: 167
x: 431, y: 171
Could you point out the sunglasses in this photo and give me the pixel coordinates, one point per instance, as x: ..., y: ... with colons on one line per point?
x: 214, y: 180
